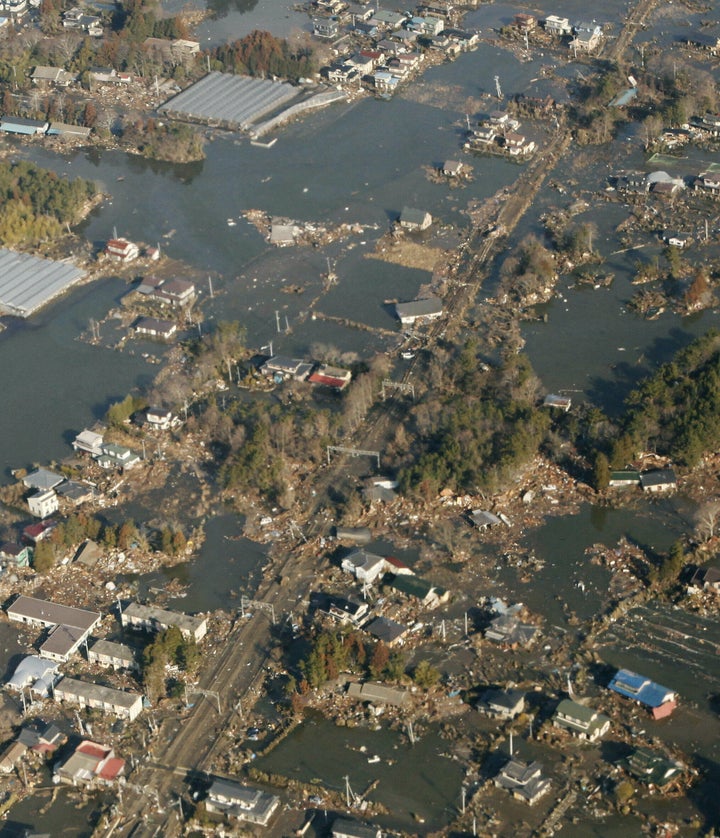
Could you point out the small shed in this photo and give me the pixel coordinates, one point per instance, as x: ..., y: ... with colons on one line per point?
x: 658, y: 480
x: 414, y: 219
x: 452, y: 168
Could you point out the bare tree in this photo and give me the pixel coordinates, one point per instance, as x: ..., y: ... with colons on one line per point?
x: 707, y: 519
x: 65, y: 46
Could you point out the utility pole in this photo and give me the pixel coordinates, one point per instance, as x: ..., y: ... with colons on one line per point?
x: 277, y: 321
x: 212, y: 294
x: 463, y: 790
x: 497, y: 87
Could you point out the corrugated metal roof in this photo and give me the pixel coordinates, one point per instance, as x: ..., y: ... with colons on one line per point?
x: 29, y: 282
x: 235, y: 100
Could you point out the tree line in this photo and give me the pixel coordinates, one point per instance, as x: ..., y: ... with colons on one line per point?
x: 36, y: 203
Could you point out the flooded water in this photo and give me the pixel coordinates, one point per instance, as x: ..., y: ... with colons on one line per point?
x: 227, y: 567
x: 567, y: 576
x: 414, y: 781
x: 66, y: 816
x: 591, y: 345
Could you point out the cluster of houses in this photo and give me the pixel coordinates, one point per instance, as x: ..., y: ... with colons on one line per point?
x: 581, y: 37
x: 397, y: 41
x: 87, y: 763
x: 279, y: 368
x: 65, y: 631
x: 498, y: 134
x: 369, y: 569
x: 526, y: 782
x: 47, y: 489
x: 663, y: 184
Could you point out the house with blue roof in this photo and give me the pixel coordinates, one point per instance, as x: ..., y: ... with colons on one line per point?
x: 660, y: 700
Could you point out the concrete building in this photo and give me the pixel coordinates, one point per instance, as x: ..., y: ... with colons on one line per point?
x: 150, y: 618
x: 127, y: 705
x: 43, y: 613
x: 43, y: 503
x: 69, y: 626
x: 116, y: 655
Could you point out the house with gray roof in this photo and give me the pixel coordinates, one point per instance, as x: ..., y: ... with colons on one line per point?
x: 580, y: 721
x: 347, y: 828
x: 42, y: 479
x: 57, y: 76
x: 502, y: 704
x: 377, y: 693
x: 69, y: 626
x: 414, y: 219
x: 241, y: 802
x: 658, y: 480
x: 365, y: 567
x: 427, y: 308
x: 523, y: 780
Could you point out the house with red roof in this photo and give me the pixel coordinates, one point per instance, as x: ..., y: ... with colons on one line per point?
x: 90, y: 764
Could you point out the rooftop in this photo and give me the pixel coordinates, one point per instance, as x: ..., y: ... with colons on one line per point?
x: 50, y: 613
x: 642, y: 689
x: 233, y: 100
x: 28, y: 282
x: 96, y: 692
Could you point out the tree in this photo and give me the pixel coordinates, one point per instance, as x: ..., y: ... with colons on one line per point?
x: 43, y: 557
x: 697, y: 292
x: 126, y: 535
x: 228, y: 341
x: 379, y: 660
x: 707, y: 519
x: 109, y: 536
x: 425, y: 675
x: 601, y: 472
